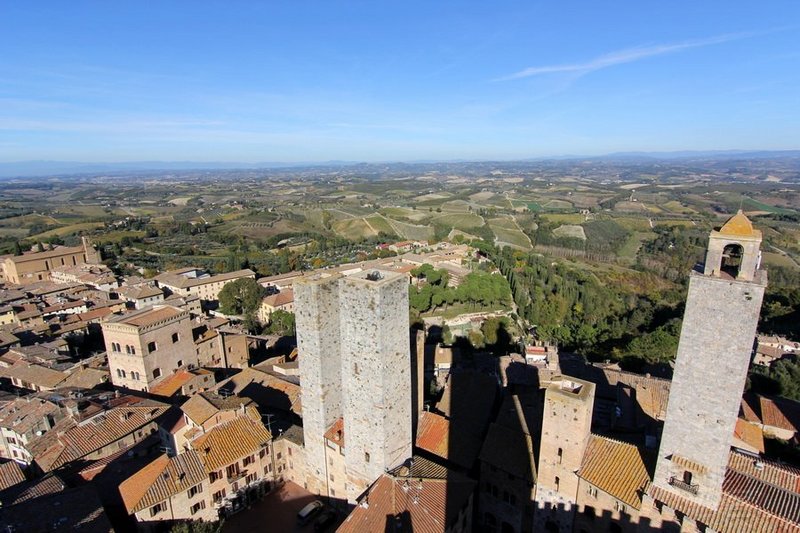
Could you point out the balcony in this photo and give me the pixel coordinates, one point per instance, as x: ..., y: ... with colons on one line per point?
x: 236, y: 476
x: 688, y: 487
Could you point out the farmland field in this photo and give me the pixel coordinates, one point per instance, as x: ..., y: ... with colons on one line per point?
x: 570, y: 231
x: 461, y: 221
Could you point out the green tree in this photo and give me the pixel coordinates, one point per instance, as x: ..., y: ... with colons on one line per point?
x: 197, y: 527
x: 17, y: 248
x: 240, y: 297
x: 281, y: 323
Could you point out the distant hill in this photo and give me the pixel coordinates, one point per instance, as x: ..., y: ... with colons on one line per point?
x: 23, y: 169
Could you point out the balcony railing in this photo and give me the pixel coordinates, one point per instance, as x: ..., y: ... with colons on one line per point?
x: 688, y: 487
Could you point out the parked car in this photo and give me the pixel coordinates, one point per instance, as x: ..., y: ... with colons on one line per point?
x: 325, y: 520
x: 309, y: 512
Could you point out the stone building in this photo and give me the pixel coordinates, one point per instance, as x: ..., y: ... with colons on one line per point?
x: 566, y: 428
x: 21, y: 422
x: 355, y: 364
x: 719, y: 326
x: 222, y: 471
x: 169, y: 488
x: 146, y: 346
x: 194, y: 282
x: 280, y: 301
x: 32, y: 267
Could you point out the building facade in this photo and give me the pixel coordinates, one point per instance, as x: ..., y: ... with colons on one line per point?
x: 146, y: 346
x: 30, y: 268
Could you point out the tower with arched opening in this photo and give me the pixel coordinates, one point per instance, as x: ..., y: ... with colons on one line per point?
x: 719, y: 325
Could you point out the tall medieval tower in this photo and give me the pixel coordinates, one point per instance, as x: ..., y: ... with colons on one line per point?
x: 353, y: 345
x: 719, y: 325
x: 566, y: 427
x: 319, y: 347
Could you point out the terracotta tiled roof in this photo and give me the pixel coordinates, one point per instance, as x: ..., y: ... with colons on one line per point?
x: 10, y: 474
x: 77, y: 509
x: 749, y: 409
x: 201, y: 407
x: 757, y: 496
x: 35, y: 374
x: 432, y: 434
x: 616, y: 468
x: 398, y: 502
x: 750, y: 435
x: 161, y: 479
x: 335, y: 433
x: 688, y: 464
x: 29, y: 490
x: 85, y: 378
x: 449, y: 440
x: 173, y: 383
x: 69, y: 440
x: 780, y: 413
x: 23, y: 414
x: 47, y: 254
x: 231, y: 441
x: 141, y: 291
x: 284, y: 297
x: 740, y: 226
x: 780, y: 475
x: 148, y: 316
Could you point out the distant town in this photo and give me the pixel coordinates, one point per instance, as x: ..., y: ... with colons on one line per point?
x: 560, y: 346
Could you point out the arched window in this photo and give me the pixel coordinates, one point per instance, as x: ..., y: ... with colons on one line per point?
x: 732, y: 259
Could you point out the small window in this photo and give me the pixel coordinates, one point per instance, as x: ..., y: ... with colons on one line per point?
x: 558, y: 482
x: 195, y: 490
x: 175, y: 338
x: 687, y: 477
x: 128, y: 349
x: 156, y: 373
x: 560, y: 455
x: 180, y: 363
x: 151, y: 346
x: 157, y: 508
x: 366, y: 457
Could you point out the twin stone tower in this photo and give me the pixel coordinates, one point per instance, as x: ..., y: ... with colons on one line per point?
x: 353, y: 341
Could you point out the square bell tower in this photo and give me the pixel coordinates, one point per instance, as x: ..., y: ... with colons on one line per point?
x: 719, y: 326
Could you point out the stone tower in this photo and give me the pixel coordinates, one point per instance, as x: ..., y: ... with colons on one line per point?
x: 719, y: 325
x: 566, y: 426
x: 319, y: 349
x: 376, y: 375
x: 353, y: 345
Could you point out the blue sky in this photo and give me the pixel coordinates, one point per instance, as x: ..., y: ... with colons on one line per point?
x: 376, y: 81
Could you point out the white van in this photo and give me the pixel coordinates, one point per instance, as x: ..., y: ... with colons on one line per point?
x: 308, y: 512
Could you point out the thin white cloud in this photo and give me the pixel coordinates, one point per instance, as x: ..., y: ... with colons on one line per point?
x: 628, y: 55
